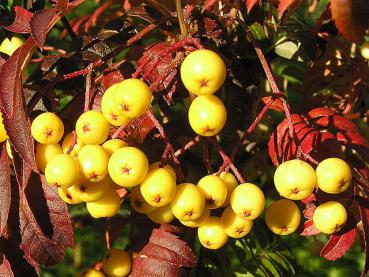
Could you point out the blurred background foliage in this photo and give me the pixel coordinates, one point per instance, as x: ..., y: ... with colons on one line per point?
x: 260, y: 253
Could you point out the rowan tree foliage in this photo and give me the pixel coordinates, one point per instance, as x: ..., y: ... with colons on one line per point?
x: 296, y: 87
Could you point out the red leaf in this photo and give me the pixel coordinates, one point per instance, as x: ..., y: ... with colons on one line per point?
x: 364, y: 215
x: 61, y: 5
x: 21, y: 21
x: 5, y: 195
x: 338, y: 245
x: 309, y: 210
x: 351, y: 18
x: 250, y: 4
x: 208, y: 4
x: 39, y: 25
x: 11, y: 96
x: 319, y: 112
x: 140, y: 128
x: 164, y: 255
x: 309, y: 199
x: 283, y: 6
x: 5, y: 269
x: 212, y: 28
x: 145, y: 266
x: 190, y: 7
x: 277, y: 104
x: 309, y: 228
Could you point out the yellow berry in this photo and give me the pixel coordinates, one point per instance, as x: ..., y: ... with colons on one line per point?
x: 3, y: 134
x: 203, y: 72
x: 235, y: 226
x: 138, y: 203
x: 330, y: 217
x: 197, y: 222
x: 117, y: 263
x: 231, y: 182
x: 283, y: 217
x: 214, y: 191
x: 333, y: 175
x: 188, y: 203
x: 113, y: 145
x: 107, y: 206
x: 247, y: 201
x: 62, y: 171
x: 68, y: 140
x: 167, y: 167
x: 207, y: 115
x: 10, y: 46
x: 161, y: 215
x: 159, y: 187
x: 365, y: 50
x: 91, y: 191
x: 69, y: 195
x: 211, y: 233
x: 295, y: 179
x: 47, y: 128
x: 128, y: 166
x: 132, y: 98
x: 9, y: 149
x: 45, y: 152
x: 108, y: 108
x: 92, y: 127
x: 93, y: 161
x: 91, y: 272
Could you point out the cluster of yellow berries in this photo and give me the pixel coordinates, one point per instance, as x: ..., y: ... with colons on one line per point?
x: 116, y: 264
x: 296, y: 180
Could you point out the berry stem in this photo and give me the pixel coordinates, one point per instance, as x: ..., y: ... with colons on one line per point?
x: 181, y: 21
x: 187, y: 146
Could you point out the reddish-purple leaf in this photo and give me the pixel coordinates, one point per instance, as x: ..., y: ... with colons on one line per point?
x: 190, y: 7
x: 277, y: 104
x: 39, y: 25
x: 364, y: 215
x: 338, y: 244
x: 250, y: 4
x: 5, y: 195
x: 21, y: 21
x: 140, y: 128
x: 309, y: 228
x: 283, y: 6
x: 61, y: 5
x: 12, y: 100
x: 309, y: 210
x: 212, y: 28
x: 351, y: 18
x: 145, y: 266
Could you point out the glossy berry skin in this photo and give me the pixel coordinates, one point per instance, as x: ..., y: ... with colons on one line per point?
x: 128, y: 166
x: 283, y: 217
x: 365, y: 50
x: 138, y: 203
x: 161, y: 215
x: 295, y: 179
x: 10, y: 46
x: 188, y: 203
x: 67, y: 141
x: 69, y: 195
x: 333, y: 175
x: 211, y: 234
x: 233, y: 225
x: 62, y: 171
x: 44, y: 153
x: 247, y: 201
x: 92, y: 127
x: 330, y: 217
x: 9, y: 149
x: 91, y: 272
x: 91, y: 192
x: 159, y: 187
x: 167, y: 167
x: 214, y: 190
x: 117, y: 263
x: 3, y: 134
x: 231, y: 182
x: 203, y: 72
x: 132, y: 98
x: 197, y: 222
x: 47, y: 128
x: 113, y: 145
x: 107, y: 206
x: 207, y: 115
x: 108, y: 108
x: 93, y: 162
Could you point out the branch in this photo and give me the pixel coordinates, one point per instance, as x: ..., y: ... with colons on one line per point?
x: 182, y: 23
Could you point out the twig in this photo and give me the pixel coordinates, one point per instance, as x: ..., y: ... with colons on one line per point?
x: 182, y: 23
x: 88, y: 89
x: 206, y: 158
x: 69, y: 28
x: 187, y: 146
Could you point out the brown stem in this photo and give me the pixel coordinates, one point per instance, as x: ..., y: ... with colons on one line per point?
x: 182, y: 23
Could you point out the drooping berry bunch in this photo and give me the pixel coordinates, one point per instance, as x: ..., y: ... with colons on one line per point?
x: 296, y: 180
